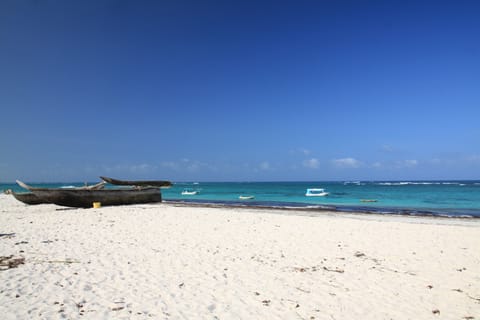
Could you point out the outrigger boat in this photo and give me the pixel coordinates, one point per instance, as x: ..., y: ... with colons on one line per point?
x: 139, y: 183
x: 31, y: 199
x: 97, y: 186
x: 84, y: 198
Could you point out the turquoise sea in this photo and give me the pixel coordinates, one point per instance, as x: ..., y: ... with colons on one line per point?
x: 439, y: 198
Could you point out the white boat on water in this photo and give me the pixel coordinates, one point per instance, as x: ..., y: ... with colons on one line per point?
x: 189, y: 192
x: 246, y: 197
x: 316, y: 192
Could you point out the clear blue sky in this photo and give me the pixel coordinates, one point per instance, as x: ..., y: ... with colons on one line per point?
x: 239, y: 90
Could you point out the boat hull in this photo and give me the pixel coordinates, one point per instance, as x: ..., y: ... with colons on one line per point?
x: 109, y: 197
x: 27, y: 198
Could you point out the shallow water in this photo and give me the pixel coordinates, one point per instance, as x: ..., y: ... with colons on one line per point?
x: 451, y: 198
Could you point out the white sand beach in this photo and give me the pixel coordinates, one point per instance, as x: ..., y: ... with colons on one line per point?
x: 178, y: 262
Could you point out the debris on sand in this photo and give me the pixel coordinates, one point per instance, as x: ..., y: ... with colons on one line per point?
x: 8, y: 262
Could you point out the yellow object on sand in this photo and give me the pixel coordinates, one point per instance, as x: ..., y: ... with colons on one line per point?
x: 97, y: 204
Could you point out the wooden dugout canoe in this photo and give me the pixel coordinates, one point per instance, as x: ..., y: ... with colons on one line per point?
x: 84, y: 198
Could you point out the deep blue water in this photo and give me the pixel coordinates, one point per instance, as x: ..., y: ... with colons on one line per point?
x: 445, y: 198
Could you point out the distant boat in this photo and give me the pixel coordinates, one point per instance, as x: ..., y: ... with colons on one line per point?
x: 316, y: 192
x: 368, y: 200
x: 189, y: 192
x: 246, y: 197
x: 84, y: 198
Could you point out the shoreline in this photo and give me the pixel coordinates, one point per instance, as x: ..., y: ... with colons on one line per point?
x: 324, y: 208
x: 172, y: 261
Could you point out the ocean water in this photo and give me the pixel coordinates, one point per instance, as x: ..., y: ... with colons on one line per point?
x: 439, y: 198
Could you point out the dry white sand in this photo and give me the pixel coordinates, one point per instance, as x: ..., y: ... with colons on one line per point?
x: 169, y: 262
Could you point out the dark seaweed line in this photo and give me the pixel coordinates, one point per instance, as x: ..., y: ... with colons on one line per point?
x: 320, y: 208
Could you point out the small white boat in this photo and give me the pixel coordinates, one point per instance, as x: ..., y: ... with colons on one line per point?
x: 189, y: 192
x: 246, y: 197
x: 316, y: 192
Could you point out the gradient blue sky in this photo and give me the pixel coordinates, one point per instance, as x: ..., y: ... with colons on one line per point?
x: 239, y: 90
